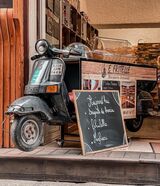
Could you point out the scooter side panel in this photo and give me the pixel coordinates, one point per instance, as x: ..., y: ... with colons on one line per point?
x: 28, y: 105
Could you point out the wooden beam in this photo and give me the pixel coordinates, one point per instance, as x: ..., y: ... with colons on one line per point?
x: 6, y: 71
x: 1, y: 84
x: 119, y: 26
x: 11, y: 64
x: 26, y: 40
x: 12, y: 34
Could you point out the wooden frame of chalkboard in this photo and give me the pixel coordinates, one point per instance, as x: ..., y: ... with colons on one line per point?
x: 100, y: 120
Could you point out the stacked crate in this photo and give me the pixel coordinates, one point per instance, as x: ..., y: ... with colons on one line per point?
x: 75, y: 25
x: 147, y: 53
x: 53, y: 22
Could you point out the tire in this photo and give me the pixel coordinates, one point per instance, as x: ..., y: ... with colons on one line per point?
x: 27, y: 132
x: 134, y: 125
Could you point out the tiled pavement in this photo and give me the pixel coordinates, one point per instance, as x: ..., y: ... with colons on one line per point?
x: 51, y: 158
x: 137, y: 149
x: 142, y: 155
x: 141, y: 143
x: 35, y: 183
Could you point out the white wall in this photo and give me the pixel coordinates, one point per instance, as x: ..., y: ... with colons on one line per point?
x: 148, y: 35
x: 32, y: 29
x: 122, y: 11
x: 33, y: 26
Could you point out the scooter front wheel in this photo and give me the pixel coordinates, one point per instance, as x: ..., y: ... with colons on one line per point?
x: 27, y: 132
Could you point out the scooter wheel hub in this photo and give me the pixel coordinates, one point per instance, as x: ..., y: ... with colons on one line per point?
x: 30, y: 131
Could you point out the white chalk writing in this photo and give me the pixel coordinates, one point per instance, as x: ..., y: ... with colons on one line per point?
x: 98, y: 108
x: 98, y: 138
x: 97, y: 102
x: 98, y: 123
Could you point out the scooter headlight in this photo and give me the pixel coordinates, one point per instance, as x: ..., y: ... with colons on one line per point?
x: 41, y: 46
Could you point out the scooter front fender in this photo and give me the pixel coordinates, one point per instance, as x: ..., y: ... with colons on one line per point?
x: 29, y: 105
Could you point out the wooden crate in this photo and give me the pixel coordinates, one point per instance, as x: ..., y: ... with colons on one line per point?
x: 147, y: 53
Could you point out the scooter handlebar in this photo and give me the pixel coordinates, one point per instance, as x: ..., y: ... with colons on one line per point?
x: 66, y: 52
x: 35, y: 57
x: 59, y: 51
x: 75, y: 53
x: 56, y: 51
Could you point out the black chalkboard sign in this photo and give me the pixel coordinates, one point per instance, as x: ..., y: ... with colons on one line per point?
x: 6, y: 3
x: 100, y: 120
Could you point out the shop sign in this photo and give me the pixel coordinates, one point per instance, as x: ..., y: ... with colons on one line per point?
x: 123, y: 78
x: 6, y: 3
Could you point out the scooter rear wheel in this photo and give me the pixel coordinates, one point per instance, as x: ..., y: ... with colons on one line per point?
x: 27, y: 132
x: 134, y: 125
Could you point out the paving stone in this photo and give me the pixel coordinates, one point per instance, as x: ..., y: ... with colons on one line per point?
x: 150, y: 156
x: 139, y: 146
x: 73, y: 152
x: 132, y: 155
x: 105, y: 154
x: 45, y: 152
x: 59, y: 152
x: 117, y: 154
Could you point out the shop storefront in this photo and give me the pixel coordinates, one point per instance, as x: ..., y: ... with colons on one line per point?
x: 111, y: 64
x: 63, y: 22
x: 105, y: 103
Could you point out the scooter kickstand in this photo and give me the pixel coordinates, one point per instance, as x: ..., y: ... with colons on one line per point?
x: 60, y: 142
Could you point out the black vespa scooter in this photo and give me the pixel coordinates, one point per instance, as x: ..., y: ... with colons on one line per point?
x: 46, y: 98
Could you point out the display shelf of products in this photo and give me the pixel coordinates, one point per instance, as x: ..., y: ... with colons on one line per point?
x: 75, y: 4
x: 53, y: 22
x: 66, y: 18
x: 65, y: 24
x: 147, y: 53
x: 75, y: 25
x: 112, y: 49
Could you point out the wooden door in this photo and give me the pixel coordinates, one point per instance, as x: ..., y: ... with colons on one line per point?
x: 11, y: 64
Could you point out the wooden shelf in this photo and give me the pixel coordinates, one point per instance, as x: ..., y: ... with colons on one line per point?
x: 53, y: 22
x: 80, y: 30
x: 65, y: 24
